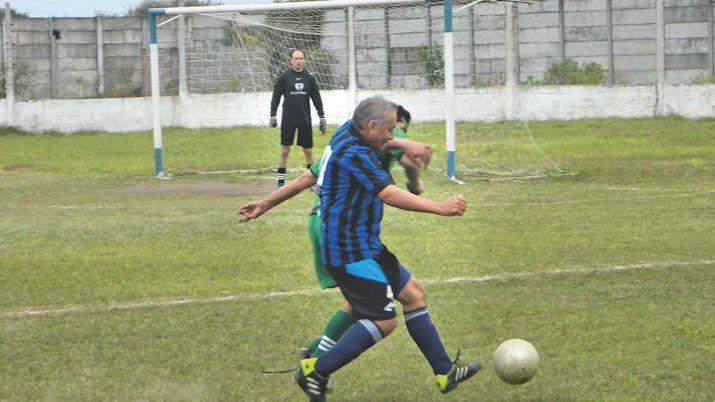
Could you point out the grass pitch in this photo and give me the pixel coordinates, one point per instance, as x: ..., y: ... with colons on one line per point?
x: 609, y: 272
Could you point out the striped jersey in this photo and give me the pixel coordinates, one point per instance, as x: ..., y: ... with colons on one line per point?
x: 349, y: 180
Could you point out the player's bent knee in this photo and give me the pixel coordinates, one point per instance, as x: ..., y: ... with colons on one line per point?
x: 413, y: 295
x: 346, y: 307
x: 386, y: 326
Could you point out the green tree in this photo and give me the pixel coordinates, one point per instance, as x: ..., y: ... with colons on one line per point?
x: 14, y: 13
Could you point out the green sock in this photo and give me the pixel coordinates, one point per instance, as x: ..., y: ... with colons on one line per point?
x: 313, y: 345
x: 338, y: 324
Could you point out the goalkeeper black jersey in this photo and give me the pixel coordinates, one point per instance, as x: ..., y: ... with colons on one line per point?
x: 296, y: 88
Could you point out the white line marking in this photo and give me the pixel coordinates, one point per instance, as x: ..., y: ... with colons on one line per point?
x: 501, y: 204
x: 311, y: 292
x: 596, y: 200
x: 519, y: 275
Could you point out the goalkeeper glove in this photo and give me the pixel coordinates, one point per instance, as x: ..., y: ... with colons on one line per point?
x: 322, y: 125
x: 274, y: 121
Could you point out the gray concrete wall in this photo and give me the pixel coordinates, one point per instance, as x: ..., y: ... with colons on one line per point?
x: 620, y: 35
x: 688, y: 44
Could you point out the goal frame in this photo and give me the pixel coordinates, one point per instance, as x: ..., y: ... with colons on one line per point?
x: 448, y: 55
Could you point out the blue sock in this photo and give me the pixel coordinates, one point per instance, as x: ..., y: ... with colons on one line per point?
x: 357, y: 339
x: 425, y: 335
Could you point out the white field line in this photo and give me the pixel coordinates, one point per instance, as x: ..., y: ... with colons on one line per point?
x: 642, y: 197
x: 649, y: 189
x: 502, y: 204
x: 311, y: 292
x: 566, y: 271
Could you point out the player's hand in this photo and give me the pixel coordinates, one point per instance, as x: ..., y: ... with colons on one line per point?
x: 419, y: 153
x: 322, y: 125
x: 251, y: 210
x: 274, y: 121
x: 453, y: 206
x: 416, y: 188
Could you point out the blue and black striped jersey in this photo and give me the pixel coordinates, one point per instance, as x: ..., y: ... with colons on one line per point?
x: 349, y: 180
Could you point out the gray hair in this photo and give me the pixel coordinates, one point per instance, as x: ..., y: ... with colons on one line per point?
x: 373, y: 108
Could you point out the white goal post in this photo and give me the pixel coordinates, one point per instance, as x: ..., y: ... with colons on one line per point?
x: 307, y: 5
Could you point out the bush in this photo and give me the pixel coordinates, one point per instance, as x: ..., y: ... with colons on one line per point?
x: 433, y: 61
x: 702, y: 80
x: 569, y: 72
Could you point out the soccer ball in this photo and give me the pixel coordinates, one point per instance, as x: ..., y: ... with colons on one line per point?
x: 515, y: 361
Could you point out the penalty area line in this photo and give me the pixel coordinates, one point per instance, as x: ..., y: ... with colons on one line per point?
x: 311, y: 292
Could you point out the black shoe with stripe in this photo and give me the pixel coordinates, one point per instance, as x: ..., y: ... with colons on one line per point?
x: 458, y: 373
x: 312, y: 384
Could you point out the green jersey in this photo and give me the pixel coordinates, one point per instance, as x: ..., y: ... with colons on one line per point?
x: 315, y: 169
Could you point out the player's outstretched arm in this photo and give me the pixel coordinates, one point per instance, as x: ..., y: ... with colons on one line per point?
x: 398, y: 198
x: 418, y: 152
x: 254, y: 209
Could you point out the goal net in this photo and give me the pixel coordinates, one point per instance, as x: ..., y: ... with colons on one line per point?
x: 219, y: 65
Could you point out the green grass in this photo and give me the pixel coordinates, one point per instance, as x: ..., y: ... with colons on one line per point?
x: 84, y: 225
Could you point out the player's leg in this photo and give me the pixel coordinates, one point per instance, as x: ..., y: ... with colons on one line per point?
x: 366, y: 286
x: 305, y: 140
x: 423, y: 332
x: 287, y: 136
x: 341, y: 319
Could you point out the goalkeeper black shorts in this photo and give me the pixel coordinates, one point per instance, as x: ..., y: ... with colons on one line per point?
x: 305, y: 135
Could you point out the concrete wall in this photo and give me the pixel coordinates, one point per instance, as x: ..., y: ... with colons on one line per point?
x: 688, y: 39
x: 483, y: 104
x: 58, y: 57
x: 618, y: 34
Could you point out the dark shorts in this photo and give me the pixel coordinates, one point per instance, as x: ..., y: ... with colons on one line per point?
x: 305, y: 135
x: 370, y: 286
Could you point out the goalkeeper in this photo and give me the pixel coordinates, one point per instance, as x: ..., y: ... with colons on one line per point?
x: 296, y: 85
x: 411, y: 155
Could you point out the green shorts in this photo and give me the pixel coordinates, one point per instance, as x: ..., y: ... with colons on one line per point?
x: 314, y: 230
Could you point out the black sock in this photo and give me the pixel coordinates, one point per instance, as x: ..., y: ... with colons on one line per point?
x: 281, y: 176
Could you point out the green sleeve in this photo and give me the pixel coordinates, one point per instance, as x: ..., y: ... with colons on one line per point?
x: 315, y: 168
x: 395, y: 154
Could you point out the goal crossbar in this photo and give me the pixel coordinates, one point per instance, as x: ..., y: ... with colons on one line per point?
x: 303, y: 5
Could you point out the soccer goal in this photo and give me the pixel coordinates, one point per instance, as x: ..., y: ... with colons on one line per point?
x: 216, y: 66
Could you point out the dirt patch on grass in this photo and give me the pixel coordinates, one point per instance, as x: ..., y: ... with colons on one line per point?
x: 201, y: 188
x: 14, y: 167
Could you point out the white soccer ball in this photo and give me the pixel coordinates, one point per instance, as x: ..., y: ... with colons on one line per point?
x: 515, y: 361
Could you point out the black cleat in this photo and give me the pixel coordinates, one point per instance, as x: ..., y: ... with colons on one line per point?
x: 458, y: 373
x: 312, y: 384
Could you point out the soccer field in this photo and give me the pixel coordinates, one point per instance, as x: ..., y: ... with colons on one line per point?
x: 119, y: 286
